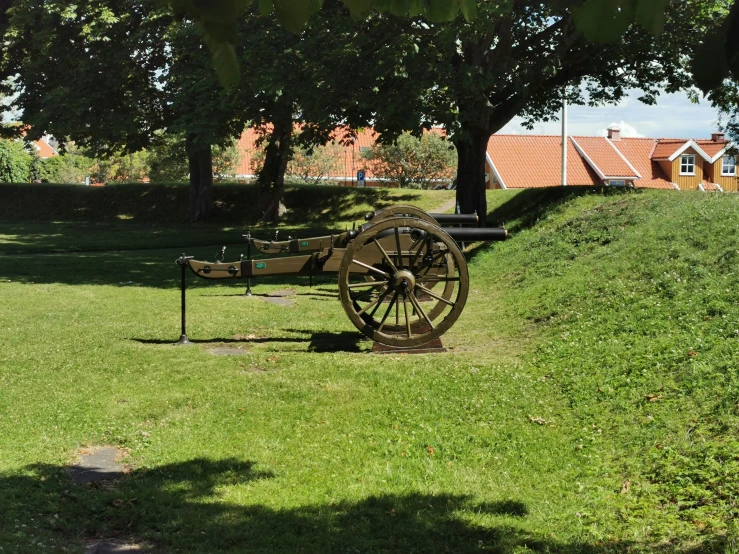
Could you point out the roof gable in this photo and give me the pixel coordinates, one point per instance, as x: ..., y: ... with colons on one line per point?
x: 525, y: 161
x: 605, y: 160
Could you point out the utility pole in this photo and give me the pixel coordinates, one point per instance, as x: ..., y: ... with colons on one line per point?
x: 564, y: 137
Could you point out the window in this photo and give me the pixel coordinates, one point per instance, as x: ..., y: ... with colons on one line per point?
x: 728, y: 167
x: 617, y: 183
x: 687, y: 165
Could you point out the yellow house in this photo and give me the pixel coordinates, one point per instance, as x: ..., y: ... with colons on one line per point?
x: 698, y: 164
x: 682, y: 164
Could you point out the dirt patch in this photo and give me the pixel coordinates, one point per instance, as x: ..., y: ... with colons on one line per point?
x: 280, y: 301
x: 227, y: 351
x: 113, y: 546
x: 99, y: 464
x: 281, y: 293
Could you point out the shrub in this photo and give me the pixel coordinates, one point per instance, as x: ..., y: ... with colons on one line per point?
x: 15, y: 162
x: 412, y: 162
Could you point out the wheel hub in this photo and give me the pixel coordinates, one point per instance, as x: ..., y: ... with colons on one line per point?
x: 403, y: 280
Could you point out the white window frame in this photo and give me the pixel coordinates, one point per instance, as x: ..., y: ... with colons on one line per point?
x: 684, y: 162
x: 617, y: 183
x: 724, y: 165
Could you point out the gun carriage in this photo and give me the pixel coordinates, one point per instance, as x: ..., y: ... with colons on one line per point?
x: 403, y: 279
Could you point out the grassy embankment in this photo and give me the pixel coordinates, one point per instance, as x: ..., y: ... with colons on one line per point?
x: 588, y: 403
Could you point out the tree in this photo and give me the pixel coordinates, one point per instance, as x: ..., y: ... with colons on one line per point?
x: 314, y: 165
x: 517, y: 59
x: 15, y: 162
x: 112, y: 76
x: 71, y: 167
x: 412, y: 162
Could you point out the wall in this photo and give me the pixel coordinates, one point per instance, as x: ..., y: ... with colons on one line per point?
x: 688, y: 182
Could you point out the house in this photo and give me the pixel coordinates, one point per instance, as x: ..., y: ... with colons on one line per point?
x: 533, y: 161
x: 348, y: 153
x: 44, y: 149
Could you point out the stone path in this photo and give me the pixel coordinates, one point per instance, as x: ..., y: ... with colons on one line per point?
x: 98, y: 464
x: 446, y: 206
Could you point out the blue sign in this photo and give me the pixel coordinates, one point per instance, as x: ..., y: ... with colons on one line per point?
x: 360, y: 178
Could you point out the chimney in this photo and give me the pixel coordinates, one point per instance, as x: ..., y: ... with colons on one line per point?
x: 614, y: 134
x: 718, y: 137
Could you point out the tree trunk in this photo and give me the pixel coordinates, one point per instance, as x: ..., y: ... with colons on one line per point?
x: 272, y: 176
x: 200, y: 165
x: 471, y: 157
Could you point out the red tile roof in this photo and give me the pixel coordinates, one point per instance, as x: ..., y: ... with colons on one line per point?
x: 528, y: 161
x: 349, y: 151
x: 712, y: 148
x: 44, y: 149
x: 666, y: 148
x: 639, y: 152
x: 604, y: 158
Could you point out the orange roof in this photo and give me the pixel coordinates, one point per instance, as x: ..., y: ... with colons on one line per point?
x: 44, y: 149
x: 639, y: 152
x: 712, y: 148
x: 709, y: 186
x: 527, y: 161
x: 666, y: 148
x: 604, y: 158
x: 349, y: 151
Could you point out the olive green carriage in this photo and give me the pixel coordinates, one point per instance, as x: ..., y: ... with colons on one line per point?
x: 402, y: 278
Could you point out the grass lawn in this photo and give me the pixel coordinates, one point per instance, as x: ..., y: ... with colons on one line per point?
x: 589, y: 401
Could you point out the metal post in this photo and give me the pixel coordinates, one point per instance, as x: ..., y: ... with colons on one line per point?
x: 248, y: 257
x: 565, y: 139
x: 182, y: 262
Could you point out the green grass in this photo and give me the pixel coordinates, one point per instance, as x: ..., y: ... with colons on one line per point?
x: 599, y: 347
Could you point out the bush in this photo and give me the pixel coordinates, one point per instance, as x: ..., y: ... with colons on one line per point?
x: 312, y: 166
x: 168, y: 161
x: 412, y: 162
x: 15, y: 162
x: 71, y: 167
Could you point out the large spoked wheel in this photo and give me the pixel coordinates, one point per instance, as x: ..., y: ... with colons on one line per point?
x: 420, y: 282
x: 402, y: 210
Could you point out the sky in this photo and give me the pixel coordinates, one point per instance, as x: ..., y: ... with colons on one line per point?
x: 674, y: 116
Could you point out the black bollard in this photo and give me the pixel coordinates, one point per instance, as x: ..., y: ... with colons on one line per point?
x: 247, y: 236
x: 182, y: 262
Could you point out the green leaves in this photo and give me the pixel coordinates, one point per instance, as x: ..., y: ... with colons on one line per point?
x: 607, y: 20
x: 718, y: 57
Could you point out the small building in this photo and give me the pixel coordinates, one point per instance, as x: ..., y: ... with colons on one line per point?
x: 534, y: 161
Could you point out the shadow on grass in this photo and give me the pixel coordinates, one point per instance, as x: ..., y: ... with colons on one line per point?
x: 345, y: 341
x: 180, y: 507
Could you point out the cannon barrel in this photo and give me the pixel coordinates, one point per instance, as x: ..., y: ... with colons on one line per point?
x: 476, y: 234
x: 456, y: 219
x: 441, y: 219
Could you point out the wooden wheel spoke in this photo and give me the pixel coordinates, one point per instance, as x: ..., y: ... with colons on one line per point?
x: 375, y: 301
x: 384, y: 255
x: 379, y: 303
x: 387, y: 312
x: 407, y: 321
x: 368, y: 284
x: 434, y: 295
x: 370, y: 268
x: 420, y: 248
x: 397, y: 244
x: 434, y: 258
x: 419, y: 309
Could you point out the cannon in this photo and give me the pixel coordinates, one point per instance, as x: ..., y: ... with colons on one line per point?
x: 403, y: 280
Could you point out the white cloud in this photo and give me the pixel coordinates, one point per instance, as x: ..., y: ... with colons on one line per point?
x: 674, y: 116
x: 627, y: 131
